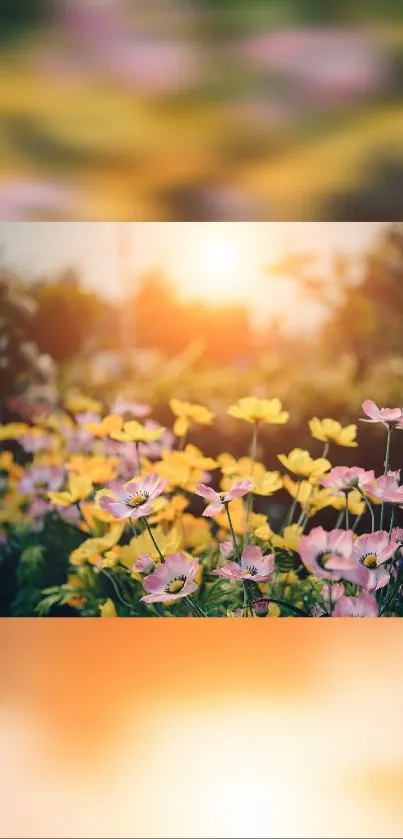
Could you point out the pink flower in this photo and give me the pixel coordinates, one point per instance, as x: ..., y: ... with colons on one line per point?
x: 386, y: 488
x: 336, y: 591
x: 254, y: 566
x: 39, y: 508
x: 87, y: 417
x: 38, y: 480
x: 124, y: 407
x: 344, y: 478
x: 69, y: 514
x: 261, y: 607
x: 132, y: 500
x: 145, y: 564
x: 172, y: 579
x: 35, y: 442
x: 219, y: 499
x: 372, y: 550
x: 383, y: 415
x: 364, y: 606
x: 227, y: 549
x: 323, y: 553
x: 365, y: 565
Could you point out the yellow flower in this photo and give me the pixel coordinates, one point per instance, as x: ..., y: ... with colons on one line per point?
x: 79, y: 404
x: 355, y: 502
x: 252, y: 409
x: 106, y: 427
x: 91, y: 549
x: 13, y: 430
x: 175, y: 467
x: 107, y: 609
x: 55, y: 458
x: 288, y: 578
x: 238, y: 517
x: 95, y: 517
x: 300, y: 462
x: 264, y: 483
x: 79, y: 487
x: 8, y: 464
x: 196, y: 533
x: 135, y: 432
x: 99, y: 469
x: 268, y: 483
x: 168, y: 509
x: 328, y: 430
x: 10, y: 508
x: 55, y: 422
x: 168, y: 543
x: 195, y: 458
x: 310, y: 497
x: 111, y: 558
x: 274, y: 611
x: 264, y: 532
x: 187, y: 414
x: 289, y: 540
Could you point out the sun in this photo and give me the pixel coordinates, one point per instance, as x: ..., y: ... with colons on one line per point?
x: 220, y: 257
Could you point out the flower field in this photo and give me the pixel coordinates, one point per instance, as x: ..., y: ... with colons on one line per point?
x: 106, y: 512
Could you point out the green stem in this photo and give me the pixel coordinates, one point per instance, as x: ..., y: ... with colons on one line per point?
x: 138, y: 459
x: 153, y: 540
x: 357, y: 521
x: 386, y: 467
x: 249, y: 503
x: 392, y: 518
x: 369, y: 507
x: 290, y: 514
x: 196, y: 608
x: 238, y: 555
x: 340, y: 518
x: 346, y: 513
x: 116, y: 590
x: 330, y: 599
x: 290, y: 606
x: 182, y: 441
x: 248, y: 600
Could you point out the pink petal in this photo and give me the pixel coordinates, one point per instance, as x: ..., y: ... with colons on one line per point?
x: 238, y: 490
x: 207, y: 492
x: 212, y: 510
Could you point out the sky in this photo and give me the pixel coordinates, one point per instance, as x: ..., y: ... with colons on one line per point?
x: 211, y: 261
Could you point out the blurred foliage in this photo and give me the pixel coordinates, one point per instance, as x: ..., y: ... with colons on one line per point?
x: 179, y: 110
x: 64, y: 317
x: 21, y: 361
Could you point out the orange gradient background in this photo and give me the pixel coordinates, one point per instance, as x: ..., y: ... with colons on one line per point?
x: 219, y: 728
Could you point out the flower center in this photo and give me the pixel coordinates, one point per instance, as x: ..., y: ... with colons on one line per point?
x: 222, y: 496
x: 40, y: 484
x: 137, y: 500
x: 175, y: 585
x: 369, y: 561
x: 325, y: 556
x: 252, y: 570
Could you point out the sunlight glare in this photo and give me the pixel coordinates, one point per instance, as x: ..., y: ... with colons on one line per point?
x: 220, y: 256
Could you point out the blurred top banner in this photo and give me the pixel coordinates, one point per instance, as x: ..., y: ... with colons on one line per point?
x: 201, y: 109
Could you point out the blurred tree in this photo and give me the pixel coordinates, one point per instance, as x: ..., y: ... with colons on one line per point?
x: 20, y: 360
x: 66, y: 316
x: 367, y: 320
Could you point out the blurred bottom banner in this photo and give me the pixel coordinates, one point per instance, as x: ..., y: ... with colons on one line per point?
x: 205, y: 729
